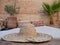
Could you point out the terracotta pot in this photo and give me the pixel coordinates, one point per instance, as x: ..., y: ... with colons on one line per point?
x: 48, y: 21
x: 2, y: 24
x: 11, y: 22
x: 55, y: 19
x: 51, y: 21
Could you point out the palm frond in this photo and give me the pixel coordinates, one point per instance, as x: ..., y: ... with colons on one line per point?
x: 10, y: 9
x: 56, y: 6
x: 51, y: 9
x: 47, y: 8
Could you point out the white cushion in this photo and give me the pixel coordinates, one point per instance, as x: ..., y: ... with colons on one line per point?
x: 54, y: 32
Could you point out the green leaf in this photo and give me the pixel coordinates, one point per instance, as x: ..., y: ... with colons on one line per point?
x: 47, y: 8
x: 51, y: 9
x: 56, y: 6
x: 10, y: 9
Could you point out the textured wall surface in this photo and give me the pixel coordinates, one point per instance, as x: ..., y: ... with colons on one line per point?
x: 26, y: 6
x: 29, y: 9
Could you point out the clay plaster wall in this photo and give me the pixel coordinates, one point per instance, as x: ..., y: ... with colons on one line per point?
x: 29, y: 9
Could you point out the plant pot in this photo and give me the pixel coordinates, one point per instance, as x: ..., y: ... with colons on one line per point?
x: 55, y: 20
x: 2, y: 24
x: 11, y: 22
x: 48, y: 21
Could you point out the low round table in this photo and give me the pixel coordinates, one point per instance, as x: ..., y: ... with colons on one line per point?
x: 52, y: 42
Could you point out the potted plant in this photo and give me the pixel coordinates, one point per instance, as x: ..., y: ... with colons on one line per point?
x: 12, y: 20
x: 52, y: 11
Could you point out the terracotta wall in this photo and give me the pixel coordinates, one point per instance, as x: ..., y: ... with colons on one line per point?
x: 29, y: 9
x: 26, y: 6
